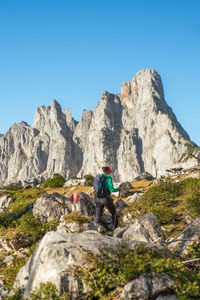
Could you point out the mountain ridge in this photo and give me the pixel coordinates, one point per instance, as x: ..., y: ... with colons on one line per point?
x: 133, y: 132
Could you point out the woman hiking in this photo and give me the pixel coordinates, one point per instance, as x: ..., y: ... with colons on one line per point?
x: 103, y: 187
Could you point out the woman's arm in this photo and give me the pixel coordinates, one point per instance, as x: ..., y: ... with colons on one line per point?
x: 111, y: 187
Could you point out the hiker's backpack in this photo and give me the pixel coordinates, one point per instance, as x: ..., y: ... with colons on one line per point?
x: 99, y: 186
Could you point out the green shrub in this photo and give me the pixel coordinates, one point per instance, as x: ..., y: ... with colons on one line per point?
x: 89, y: 178
x: 10, y: 272
x: 76, y: 218
x: 30, y: 226
x: 165, y: 215
x: 192, y: 203
x: 30, y: 231
x: 13, y: 187
x: 166, y: 201
x: 22, y: 198
x: 113, y: 268
x: 48, y: 291
x: 19, y: 206
x: 190, y: 184
x: 159, y: 200
x: 17, y: 296
x: 57, y: 181
x: 6, y: 219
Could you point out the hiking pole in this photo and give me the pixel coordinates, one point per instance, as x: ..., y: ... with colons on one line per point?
x: 116, y: 213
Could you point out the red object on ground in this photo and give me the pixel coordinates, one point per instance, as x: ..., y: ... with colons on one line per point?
x: 75, y: 198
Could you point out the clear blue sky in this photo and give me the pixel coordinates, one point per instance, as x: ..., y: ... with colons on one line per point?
x: 74, y: 50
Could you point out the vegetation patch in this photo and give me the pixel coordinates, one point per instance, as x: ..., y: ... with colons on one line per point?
x: 57, y: 181
x: 23, y: 233
x: 192, y: 202
x: 109, y: 271
x: 20, y: 205
x: 21, y: 199
x: 170, y: 202
x: 75, y: 217
x: 89, y: 178
x: 47, y: 291
x: 9, y: 273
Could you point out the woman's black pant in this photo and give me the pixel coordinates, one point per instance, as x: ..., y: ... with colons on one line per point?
x: 108, y: 203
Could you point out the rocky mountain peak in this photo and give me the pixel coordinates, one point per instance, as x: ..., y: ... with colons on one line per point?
x: 69, y: 120
x: 55, y: 107
x: 146, y: 85
x: 133, y: 132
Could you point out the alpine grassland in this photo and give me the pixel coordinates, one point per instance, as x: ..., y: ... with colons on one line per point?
x: 107, y: 272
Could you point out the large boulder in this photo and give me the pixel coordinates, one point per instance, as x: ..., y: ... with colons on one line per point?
x: 49, y: 207
x: 136, y: 232
x: 145, y: 229
x: 55, y: 258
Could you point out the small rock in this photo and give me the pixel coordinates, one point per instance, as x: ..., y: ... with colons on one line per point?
x: 72, y: 182
x: 134, y: 198
x: 3, y: 291
x: 144, y: 176
x: 124, y: 188
x: 4, y: 203
x: 147, y: 286
x: 127, y: 218
x: 8, y: 260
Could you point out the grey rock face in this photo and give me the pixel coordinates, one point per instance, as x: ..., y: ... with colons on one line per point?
x: 43, y: 150
x: 49, y: 207
x: 147, y: 286
x: 150, y: 223
x: 133, y: 132
x: 136, y: 232
x: 144, y: 229
x: 56, y: 256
